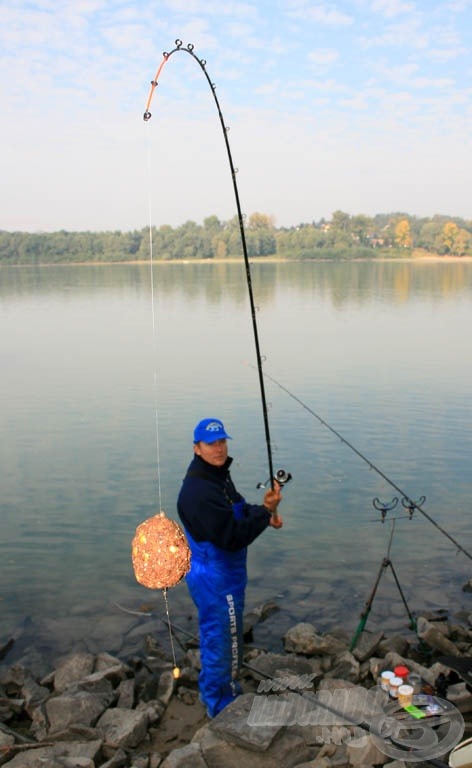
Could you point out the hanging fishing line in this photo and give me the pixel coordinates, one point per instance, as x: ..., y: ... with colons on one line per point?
x: 154, y: 331
x: 189, y: 49
x: 159, y: 551
x: 407, y: 502
x: 176, y: 670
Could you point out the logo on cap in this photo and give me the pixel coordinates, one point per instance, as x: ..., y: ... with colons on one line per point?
x: 214, y: 426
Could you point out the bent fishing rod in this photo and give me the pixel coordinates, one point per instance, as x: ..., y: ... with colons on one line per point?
x: 189, y: 48
x: 408, y: 502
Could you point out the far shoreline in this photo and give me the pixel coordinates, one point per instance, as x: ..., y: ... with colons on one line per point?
x: 413, y: 258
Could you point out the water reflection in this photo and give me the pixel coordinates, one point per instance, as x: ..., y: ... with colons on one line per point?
x: 342, y: 282
x: 376, y: 348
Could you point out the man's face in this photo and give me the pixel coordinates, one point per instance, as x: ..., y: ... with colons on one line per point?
x: 214, y: 453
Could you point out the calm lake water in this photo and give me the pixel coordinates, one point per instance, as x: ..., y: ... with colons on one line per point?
x: 102, y: 384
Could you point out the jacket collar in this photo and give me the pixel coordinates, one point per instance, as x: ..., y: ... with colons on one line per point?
x: 200, y: 464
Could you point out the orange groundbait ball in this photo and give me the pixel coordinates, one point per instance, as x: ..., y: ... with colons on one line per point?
x: 160, y: 553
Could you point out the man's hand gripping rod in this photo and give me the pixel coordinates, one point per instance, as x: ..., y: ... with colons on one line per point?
x: 280, y: 479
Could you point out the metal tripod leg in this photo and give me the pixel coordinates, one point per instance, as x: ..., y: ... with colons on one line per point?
x: 368, y: 606
x: 386, y: 562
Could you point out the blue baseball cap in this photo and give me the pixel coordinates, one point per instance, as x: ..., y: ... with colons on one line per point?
x: 210, y: 430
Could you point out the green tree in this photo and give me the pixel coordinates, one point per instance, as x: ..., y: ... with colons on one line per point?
x: 361, y: 227
x: 340, y: 229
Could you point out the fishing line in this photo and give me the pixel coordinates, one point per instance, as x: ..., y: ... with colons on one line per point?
x: 154, y: 331
x: 164, y: 592
x: 147, y: 116
x: 159, y: 550
x: 407, y: 501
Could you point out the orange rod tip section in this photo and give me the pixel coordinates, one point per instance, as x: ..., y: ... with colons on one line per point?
x: 154, y: 84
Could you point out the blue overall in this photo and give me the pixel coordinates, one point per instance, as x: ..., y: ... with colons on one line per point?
x: 213, y: 511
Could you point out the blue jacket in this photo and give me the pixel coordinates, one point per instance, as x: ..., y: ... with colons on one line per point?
x: 212, y: 510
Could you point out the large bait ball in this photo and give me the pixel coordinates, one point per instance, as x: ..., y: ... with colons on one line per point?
x: 160, y: 553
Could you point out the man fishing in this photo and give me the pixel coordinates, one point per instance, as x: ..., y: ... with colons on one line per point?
x: 220, y: 525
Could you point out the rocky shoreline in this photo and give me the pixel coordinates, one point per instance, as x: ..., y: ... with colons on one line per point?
x: 95, y: 708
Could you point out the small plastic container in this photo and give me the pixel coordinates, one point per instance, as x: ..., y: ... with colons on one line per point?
x: 402, y: 671
x: 415, y: 681
x: 385, y: 678
x: 395, y: 683
x: 405, y: 695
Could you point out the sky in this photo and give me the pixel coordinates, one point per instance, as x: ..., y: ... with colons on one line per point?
x: 363, y: 106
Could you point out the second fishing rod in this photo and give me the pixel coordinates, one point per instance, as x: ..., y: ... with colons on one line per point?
x: 407, y: 501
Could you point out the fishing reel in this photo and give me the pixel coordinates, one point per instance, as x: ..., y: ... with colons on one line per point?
x: 282, y: 477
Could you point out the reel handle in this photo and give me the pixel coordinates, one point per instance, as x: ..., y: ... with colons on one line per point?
x: 282, y: 477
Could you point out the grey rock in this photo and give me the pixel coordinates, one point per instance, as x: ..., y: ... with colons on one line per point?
x: 258, y: 614
x: 166, y: 687
x: 75, y: 732
x: 73, y: 668
x: 53, y: 757
x: 6, y: 739
x: 367, y: 645
x: 189, y: 756
x: 287, y: 750
x: 233, y: 725
x: 459, y: 695
x: 435, y: 636
x: 395, y: 644
x: 118, y: 760
x: 363, y: 752
x: 139, y: 761
x: 270, y: 665
x: 126, y: 694
x: 345, y: 666
x: 123, y: 727
x: 304, y: 639
x: 80, y: 707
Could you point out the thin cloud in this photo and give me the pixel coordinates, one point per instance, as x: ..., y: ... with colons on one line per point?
x: 303, y: 86
x: 320, y: 13
x: 323, y: 56
x: 391, y: 8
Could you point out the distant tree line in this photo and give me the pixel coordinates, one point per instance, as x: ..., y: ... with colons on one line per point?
x: 342, y: 237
